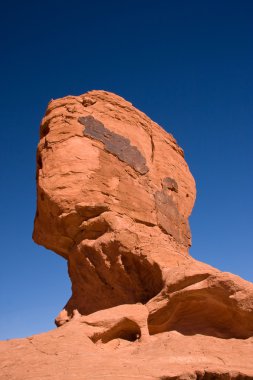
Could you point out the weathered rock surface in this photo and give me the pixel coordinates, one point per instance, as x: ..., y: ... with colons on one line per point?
x: 67, y: 353
x: 114, y: 196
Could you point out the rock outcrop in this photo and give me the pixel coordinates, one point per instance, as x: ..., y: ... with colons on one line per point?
x: 114, y: 196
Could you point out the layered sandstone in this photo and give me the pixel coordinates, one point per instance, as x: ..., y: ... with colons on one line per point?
x: 114, y: 196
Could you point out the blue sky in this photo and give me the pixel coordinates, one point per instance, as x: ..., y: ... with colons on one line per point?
x: 186, y: 64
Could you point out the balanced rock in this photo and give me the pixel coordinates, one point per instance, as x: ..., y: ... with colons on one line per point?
x: 114, y: 195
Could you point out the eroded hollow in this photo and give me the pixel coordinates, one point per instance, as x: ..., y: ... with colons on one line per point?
x: 211, y: 375
x: 44, y: 130
x: 204, y: 311
x: 111, y: 276
x: 125, y: 329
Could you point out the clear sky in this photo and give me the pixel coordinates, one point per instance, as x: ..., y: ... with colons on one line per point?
x: 186, y: 64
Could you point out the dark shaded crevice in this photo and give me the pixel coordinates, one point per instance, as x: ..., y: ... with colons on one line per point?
x: 210, y: 375
x: 152, y: 148
x: 147, y: 276
x: 39, y: 161
x: 144, y: 222
x: 125, y: 329
x: 39, y: 164
x: 44, y: 129
x: 119, y: 277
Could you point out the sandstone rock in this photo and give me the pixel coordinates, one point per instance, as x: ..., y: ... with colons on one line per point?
x: 114, y: 196
x: 113, y: 187
x: 67, y: 353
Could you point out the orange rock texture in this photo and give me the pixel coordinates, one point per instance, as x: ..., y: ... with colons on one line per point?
x: 114, y: 194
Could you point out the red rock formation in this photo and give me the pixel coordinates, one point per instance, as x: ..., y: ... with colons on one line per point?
x: 113, y: 187
x: 114, y: 196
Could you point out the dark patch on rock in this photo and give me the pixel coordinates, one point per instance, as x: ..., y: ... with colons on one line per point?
x: 170, y: 184
x: 170, y: 220
x: 116, y: 144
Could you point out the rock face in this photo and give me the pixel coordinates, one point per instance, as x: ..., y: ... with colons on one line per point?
x: 114, y: 196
